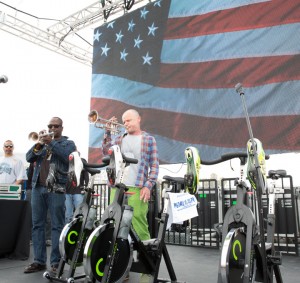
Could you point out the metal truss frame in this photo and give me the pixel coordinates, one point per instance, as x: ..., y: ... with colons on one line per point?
x: 57, y: 37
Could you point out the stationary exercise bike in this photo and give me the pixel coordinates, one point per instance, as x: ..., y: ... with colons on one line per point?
x: 188, y: 183
x: 246, y: 255
x: 74, y: 235
x: 113, y: 249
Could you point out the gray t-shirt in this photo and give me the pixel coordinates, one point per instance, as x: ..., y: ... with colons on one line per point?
x: 131, y: 147
x: 11, y: 170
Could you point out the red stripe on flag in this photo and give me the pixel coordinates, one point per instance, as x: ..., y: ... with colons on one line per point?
x: 241, y: 18
x: 95, y: 155
x: 276, y: 132
x: 224, y: 74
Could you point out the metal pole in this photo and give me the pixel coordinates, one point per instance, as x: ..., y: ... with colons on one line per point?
x: 260, y: 185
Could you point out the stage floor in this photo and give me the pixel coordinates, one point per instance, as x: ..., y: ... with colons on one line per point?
x: 191, y: 265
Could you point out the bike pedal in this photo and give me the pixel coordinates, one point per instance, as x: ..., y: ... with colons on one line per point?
x: 275, y: 259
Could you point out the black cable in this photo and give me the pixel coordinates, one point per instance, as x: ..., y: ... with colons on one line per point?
x: 231, y: 167
x: 48, y: 19
x: 83, y: 39
x: 182, y: 164
x: 63, y: 38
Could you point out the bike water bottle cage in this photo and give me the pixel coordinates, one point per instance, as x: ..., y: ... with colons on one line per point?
x: 191, y: 178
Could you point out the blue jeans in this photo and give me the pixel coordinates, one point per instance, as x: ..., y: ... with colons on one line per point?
x: 72, y: 202
x: 41, y: 201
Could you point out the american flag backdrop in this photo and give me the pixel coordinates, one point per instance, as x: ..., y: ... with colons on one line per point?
x: 177, y: 62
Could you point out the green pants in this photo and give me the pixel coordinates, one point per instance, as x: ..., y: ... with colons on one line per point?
x: 140, y: 210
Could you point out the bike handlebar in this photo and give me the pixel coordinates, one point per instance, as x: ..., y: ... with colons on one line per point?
x: 129, y: 159
x: 227, y: 156
x: 106, y: 159
x: 91, y: 167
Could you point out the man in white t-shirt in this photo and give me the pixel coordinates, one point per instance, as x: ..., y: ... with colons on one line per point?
x: 12, y: 170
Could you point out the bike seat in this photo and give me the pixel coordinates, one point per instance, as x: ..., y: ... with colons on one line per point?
x: 275, y: 174
x: 179, y: 180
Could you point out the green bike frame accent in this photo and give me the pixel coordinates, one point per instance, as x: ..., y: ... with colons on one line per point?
x: 69, y: 237
x: 236, y: 243
x: 99, y: 273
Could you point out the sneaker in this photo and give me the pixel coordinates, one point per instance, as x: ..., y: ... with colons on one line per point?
x: 34, y: 267
x: 53, y: 270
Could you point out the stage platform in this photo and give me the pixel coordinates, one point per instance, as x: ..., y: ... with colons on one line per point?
x: 191, y: 265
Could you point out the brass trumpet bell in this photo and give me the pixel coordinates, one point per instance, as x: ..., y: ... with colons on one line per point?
x: 34, y: 136
x: 102, y: 123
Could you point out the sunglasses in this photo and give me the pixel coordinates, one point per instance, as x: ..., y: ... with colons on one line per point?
x: 53, y: 126
x: 8, y: 146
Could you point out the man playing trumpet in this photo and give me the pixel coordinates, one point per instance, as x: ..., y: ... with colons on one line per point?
x: 50, y: 149
x: 142, y: 176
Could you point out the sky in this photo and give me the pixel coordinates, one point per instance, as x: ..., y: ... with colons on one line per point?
x: 42, y: 84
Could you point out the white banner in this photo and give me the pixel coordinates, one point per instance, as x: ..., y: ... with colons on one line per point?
x: 182, y: 206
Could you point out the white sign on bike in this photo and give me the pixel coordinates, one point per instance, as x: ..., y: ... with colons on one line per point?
x: 182, y: 206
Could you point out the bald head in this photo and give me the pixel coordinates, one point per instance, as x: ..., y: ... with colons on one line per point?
x: 132, y: 121
x: 131, y: 112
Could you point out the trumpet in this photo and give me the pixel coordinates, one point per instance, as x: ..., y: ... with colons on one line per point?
x: 34, y: 136
x: 102, y: 123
